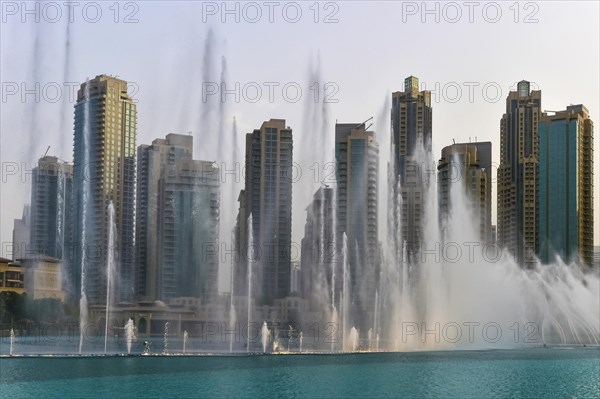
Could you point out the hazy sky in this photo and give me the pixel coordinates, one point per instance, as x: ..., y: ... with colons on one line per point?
x: 363, y: 53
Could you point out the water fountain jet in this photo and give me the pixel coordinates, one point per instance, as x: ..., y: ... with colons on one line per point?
x: 12, y: 341
x: 353, y: 337
x: 110, y: 267
x: 185, y: 338
x: 129, y: 334
x: 83, y: 305
x: 265, y: 335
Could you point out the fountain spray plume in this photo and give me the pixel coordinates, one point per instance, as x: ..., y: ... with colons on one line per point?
x: 208, y: 106
x: 35, y: 125
x: 185, y: 338
x: 129, y: 335
x: 345, y: 288
x: 316, y: 115
x: 335, y: 261
x: 166, y: 339
x: 250, y: 259
x: 265, y: 336
x: 83, y: 307
x: 60, y: 208
x: 65, y: 106
x: 12, y: 341
x: 234, y: 137
x: 231, y: 304
x: 222, y: 136
x: 353, y: 337
x: 110, y: 267
x: 313, y: 145
x: 554, y: 304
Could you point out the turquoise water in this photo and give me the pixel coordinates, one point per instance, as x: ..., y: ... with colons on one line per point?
x: 538, y: 372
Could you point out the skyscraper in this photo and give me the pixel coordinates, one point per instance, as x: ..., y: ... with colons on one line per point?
x: 104, y: 171
x: 566, y: 186
x: 52, y: 212
x: 357, y: 171
x: 411, y: 142
x: 267, y: 197
x: 517, y: 173
x: 51, y: 206
x: 464, y: 164
x: 177, y: 221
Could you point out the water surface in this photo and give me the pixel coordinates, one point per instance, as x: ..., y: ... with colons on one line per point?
x: 537, y: 372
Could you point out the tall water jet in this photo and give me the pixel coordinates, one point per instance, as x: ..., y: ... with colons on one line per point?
x: 231, y: 305
x: 83, y: 306
x: 334, y: 316
x: 12, y: 341
x: 334, y: 311
x: 375, y: 316
x: 110, y: 267
x: 65, y: 107
x: 290, y: 335
x: 276, y: 341
x: 345, y: 293
x: 222, y: 137
x: 301, y: 338
x: 129, y: 334
x: 265, y: 335
x: 370, y: 337
x: 313, y: 148
x: 353, y: 338
x: 34, y: 115
x: 185, y: 338
x: 166, y: 339
x: 60, y: 208
x: 234, y: 137
x: 204, y: 145
x: 250, y: 256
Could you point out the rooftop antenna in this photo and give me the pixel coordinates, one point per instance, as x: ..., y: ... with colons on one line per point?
x: 365, y: 123
x: 46, y: 153
x: 469, y: 139
x: 453, y: 141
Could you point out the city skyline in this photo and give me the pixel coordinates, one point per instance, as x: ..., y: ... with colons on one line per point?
x: 409, y: 83
x: 300, y: 199
x: 316, y: 62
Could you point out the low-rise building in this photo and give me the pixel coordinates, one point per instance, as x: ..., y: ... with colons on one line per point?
x: 43, y: 278
x: 11, y: 276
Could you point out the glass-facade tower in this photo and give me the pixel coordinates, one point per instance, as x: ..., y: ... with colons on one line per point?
x: 565, y: 187
x: 103, y: 172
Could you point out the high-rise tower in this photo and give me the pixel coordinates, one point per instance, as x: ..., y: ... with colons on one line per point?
x: 52, y: 214
x: 357, y: 171
x: 267, y: 197
x: 177, y: 228
x: 411, y: 123
x: 565, y: 194
x: 104, y: 171
x: 517, y: 173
